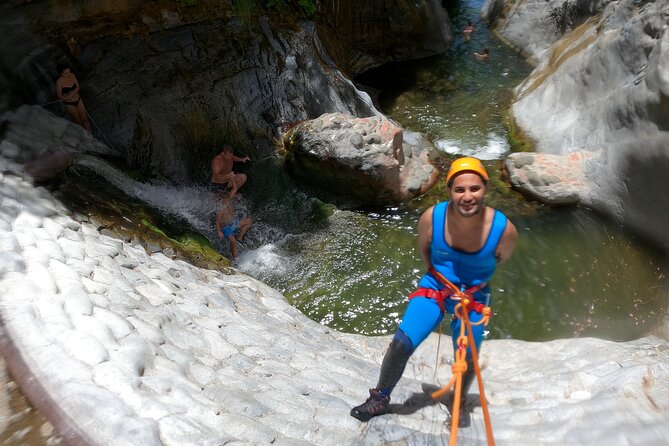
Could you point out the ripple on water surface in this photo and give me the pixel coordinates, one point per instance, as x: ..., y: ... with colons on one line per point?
x: 573, y: 274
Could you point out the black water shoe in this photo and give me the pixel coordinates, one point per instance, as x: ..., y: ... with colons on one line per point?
x: 376, y: 404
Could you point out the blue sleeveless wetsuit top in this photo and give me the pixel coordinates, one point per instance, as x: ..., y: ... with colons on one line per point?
x: 462, y: 268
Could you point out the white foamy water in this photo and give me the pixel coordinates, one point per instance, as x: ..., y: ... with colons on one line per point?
x: 495, y: 147
x: 264, y: 261
x: 195, y: 204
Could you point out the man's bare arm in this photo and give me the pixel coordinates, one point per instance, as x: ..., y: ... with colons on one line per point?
x: 241, y: 160
x: 507, y: 243
x: 215, y: 166
x: 425, y: 237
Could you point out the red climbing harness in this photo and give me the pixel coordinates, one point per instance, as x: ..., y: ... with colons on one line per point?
x: 450, y: 291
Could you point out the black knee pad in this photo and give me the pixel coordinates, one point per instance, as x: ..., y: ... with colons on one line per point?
x: 402, y: 338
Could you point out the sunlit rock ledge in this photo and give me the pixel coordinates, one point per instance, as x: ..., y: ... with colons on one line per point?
x: 118, y: 347
x: 601, y: 85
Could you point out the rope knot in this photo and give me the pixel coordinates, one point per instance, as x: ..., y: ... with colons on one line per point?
x: 459, y: 367
x: 463, y: 342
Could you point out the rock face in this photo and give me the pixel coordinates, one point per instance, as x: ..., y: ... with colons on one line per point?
x: 533, y: 26
x: 211, y: 86
x: 604, y: 87
x: 163, y: 84
x: 36, y: 132
x: 363, y: 35
x: 43, y: 143
x: 168, y: 84
x: 367, y: 159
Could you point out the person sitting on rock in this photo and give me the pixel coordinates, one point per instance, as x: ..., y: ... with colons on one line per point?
x: 67, y: 90
x: 227, y: 226
x: 463, y: 241
x: 222, y: 176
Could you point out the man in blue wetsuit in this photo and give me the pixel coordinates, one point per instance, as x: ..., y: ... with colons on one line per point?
x: 463, y: 240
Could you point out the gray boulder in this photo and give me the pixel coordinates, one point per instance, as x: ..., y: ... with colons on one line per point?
x: 42, y: 145
x: 367, y: 159
x: 551, y: 179
x: 604, y: 87
x: 50, y: 165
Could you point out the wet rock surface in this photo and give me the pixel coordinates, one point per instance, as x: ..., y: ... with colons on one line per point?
x: 20, y: 423
x: 551, y: 179
x: 600, y: 85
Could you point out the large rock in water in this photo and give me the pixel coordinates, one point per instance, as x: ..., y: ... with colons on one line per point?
x: 604, y: 87
x: 551, y: 179
x: 367, y: 159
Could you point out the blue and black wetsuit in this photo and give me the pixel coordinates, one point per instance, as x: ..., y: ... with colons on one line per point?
x: 463, y: 269
x: 423, y: 314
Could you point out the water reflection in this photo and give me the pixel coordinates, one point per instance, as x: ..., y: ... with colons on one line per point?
x: 576, y: 275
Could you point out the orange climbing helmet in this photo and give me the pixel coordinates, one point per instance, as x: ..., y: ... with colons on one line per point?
x: 466, y: 164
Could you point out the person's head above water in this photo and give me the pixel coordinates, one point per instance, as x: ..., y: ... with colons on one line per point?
x: 466, y: 164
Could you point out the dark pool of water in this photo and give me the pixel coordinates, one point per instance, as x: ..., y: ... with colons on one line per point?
x: 459, y: 101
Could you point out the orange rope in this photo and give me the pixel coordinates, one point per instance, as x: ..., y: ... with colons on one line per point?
x: 460, y: 365
x: 475, y: 359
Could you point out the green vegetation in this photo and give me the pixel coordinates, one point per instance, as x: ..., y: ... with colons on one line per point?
x: 155, y: 228
x: 244, y: 8
x: 193, y: 247
x: 308, y: 6
x: 518, y: 141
